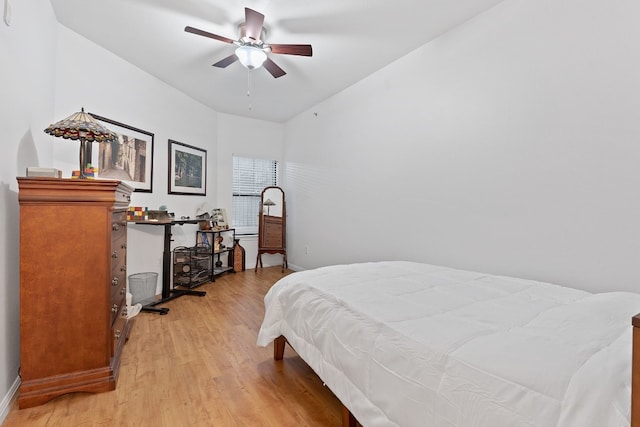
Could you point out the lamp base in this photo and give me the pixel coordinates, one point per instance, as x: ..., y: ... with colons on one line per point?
x: 85, y: 153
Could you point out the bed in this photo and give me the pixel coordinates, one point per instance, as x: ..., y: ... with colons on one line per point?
x: 409, y: 344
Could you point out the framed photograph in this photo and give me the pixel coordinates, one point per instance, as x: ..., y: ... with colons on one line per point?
x: 204, y: 240
x: 128, y: 158
x: 219, y: 217
x: 187, y: 169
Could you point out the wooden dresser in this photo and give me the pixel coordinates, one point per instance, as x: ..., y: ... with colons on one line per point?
x: 73, y: 324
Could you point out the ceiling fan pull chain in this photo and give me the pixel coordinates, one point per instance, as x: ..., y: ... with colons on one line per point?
x: 249, y: 88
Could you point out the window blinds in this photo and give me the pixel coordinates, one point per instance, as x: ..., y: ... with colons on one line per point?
x: 250, y: 177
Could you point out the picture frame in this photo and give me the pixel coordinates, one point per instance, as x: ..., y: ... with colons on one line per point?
x: 128, y: 159
x: 219, y: 217
x: 204, y: 240
x: 187, y: 169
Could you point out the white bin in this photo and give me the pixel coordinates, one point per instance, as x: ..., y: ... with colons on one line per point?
x: 143, y: 287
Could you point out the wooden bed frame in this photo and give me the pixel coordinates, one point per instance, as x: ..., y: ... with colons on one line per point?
x: 348, y: 420
x: 635, y: 373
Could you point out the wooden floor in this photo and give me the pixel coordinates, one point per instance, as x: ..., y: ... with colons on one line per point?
x: 199, y: 366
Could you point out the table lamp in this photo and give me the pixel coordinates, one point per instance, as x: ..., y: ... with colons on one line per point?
x: 83, y: 127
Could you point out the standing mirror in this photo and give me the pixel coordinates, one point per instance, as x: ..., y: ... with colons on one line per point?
x: 272, y: 223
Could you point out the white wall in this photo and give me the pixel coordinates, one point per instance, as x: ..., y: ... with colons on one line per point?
x: 249, y: 138
x: 108, y: 86
x: 509, y: 145
x: 27, y: 57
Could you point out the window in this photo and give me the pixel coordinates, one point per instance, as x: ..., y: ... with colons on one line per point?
x: 250, y: 177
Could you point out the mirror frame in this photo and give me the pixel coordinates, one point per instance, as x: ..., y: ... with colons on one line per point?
x: 272, y: 230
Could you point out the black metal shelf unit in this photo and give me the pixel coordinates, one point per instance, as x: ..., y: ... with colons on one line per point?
x: 218, y: 244
x: 191, y: 267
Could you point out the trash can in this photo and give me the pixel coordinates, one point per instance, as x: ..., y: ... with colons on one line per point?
x: 143, y: 287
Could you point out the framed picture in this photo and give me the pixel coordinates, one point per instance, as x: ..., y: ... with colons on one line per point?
x: 187, y: 169
x: 128, y: 158
x: 219, y: 217
x: 204, y: 240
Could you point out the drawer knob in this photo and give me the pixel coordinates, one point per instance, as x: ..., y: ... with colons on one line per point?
x: 114, y: 281
x: 117, y: 334
x: 123, y: 268
x: 123, y: 246
x: 114, y: 254
x: 123, y: 291
x: 114, y: 308
x: 115, y: 227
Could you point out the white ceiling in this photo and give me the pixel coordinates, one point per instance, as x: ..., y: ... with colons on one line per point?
x: 350, y: 39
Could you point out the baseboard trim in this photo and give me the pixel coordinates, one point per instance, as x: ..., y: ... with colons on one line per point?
x: 5, y: 405
x: 295, y: 267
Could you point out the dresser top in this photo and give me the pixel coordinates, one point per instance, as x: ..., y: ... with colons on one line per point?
x: 67, y: 190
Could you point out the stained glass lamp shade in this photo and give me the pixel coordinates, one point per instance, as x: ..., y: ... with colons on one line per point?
x: 81, y: 126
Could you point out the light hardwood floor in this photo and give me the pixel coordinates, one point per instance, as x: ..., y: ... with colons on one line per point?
x: 199, y: 366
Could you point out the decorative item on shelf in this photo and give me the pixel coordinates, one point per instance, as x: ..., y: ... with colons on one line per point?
x: 202, y: 240
x: 268, y: 203
x: 218, y: 246
x: 238, y: 256
x: 137, y: 213
x: 164, y: 213
x: 90, y: 172
x: 203, y: 214
x: 160, y: 215
x: 47, y: 172
x: 81, y: 126
x: 219, y: 219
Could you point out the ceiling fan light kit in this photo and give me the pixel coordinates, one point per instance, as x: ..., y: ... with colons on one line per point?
x: 251, y: 57
x: 252, y: 50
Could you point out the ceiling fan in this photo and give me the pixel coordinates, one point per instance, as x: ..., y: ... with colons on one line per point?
x: 252, y: 50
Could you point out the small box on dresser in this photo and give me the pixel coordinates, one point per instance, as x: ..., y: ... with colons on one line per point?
x: 73, y: 321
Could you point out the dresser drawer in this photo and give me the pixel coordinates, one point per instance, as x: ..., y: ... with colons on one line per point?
x: 118, y: 291
x: 118, y: 304
x: 118, y: 224
x: 118, y: 330
x: 123, y: 197
x: 119, y: 254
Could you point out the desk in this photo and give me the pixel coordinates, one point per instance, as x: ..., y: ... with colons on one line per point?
x: 167, y: 292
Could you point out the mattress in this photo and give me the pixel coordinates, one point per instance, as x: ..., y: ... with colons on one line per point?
x: 408, y: 344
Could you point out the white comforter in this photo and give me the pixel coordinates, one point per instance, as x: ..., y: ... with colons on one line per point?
x: 406, y: 344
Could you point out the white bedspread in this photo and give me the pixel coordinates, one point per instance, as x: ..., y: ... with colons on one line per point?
x: 406, y: 344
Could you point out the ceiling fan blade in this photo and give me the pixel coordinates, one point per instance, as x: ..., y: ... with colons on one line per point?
x: 292, y: 49
x: 253, y: 23
x: 224, y: 63
x: 192, y: 30
x: 273, y: 68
